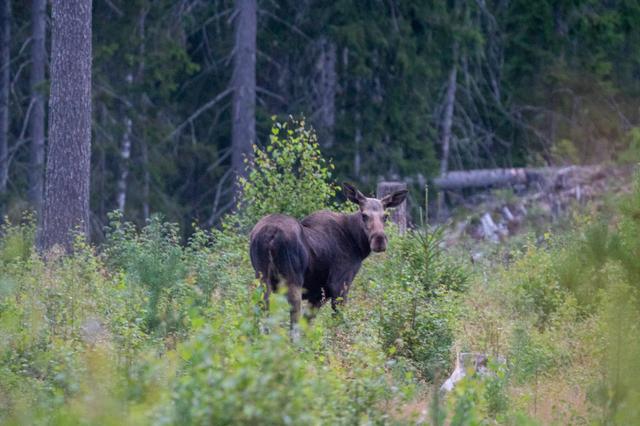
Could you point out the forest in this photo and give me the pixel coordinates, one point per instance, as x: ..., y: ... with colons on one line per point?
x: 395, y: 89
x: 142, y: 140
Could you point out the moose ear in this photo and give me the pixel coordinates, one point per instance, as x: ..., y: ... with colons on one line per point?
x: 394, y: 199
x: 352, y: 193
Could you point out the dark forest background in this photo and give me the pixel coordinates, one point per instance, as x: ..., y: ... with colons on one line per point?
x: 387, y: 84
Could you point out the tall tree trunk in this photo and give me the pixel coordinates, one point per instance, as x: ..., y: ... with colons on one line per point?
x: 146, y: 179
x: 357, y: 156
x: 325, y: 84
x: 5, y: 52
x: 447, y: 122
x: 125, y: 153
x: 37, y: 119
x: 144, y: 101
x: 448, y: 119
x: 66, y: 201
x: 357, y: 160
x: 244, y: 86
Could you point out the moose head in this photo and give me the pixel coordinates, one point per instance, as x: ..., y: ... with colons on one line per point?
x: 373, y: 213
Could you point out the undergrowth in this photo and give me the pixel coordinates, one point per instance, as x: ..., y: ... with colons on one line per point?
x: 147, y: 330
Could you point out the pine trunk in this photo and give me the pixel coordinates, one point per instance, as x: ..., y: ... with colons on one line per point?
x: 5, y: 57
x: 37, y: 119
x: 66, y: 201
x: 244, y: 85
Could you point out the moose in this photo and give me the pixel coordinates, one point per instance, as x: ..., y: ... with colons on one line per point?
x: 318, y: 257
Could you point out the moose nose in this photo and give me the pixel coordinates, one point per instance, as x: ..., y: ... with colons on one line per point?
x: 378, y: 243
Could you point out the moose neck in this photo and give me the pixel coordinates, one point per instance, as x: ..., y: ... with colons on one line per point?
x: 356, y: 230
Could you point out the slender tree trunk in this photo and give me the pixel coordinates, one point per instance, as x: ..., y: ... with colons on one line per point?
x: 244, y: 86
x: 125, y: 153
x: 66, y: 201
x: 357, y: 156
x: 144, y: 149
x: 357, y: 160
x: 5, y: 57
x: 37, y: 119
x: 146, y: 179
x: 447, y: 121
x: 325, y: 86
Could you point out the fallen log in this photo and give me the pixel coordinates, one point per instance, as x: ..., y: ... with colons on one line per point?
x: 478, y: 178
x: 482, y: 178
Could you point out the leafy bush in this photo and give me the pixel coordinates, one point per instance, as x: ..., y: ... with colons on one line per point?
x: 415, y: 287
x: 153, y: 259
x: 17, y: 240
x: 534, y: 285
x: 288, y: 176
x: 235, y: 374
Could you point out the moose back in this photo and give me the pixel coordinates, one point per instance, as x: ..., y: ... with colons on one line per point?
x: 318, y: 257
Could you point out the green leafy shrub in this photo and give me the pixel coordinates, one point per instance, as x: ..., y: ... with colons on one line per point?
x: 154, y: 260
x: 416, y: 288
x: 17, y: 240
x: 625, y: 246
x: 534, y: 285
x: 235, y: 374
x: 288, y: 176
x: 51, y: 317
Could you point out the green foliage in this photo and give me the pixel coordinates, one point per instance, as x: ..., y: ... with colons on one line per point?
x: 416, y: 288
x: 288, y: 176
x: 631, y: 152
x: 469, y: 406
x: 531, y: 77
x: 567, y: 312
x: 17, y: 240
x: 235, y: 374
x: 534, y: 285
x: 151, y: 331
x: 530, y: 355
x: 625, y: 246
x: 154, y: 260
x: 565, y: 152
x: 480, y: 397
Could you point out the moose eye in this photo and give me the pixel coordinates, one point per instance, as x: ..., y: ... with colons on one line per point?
x: 365, y: 217
x: 385, y: 218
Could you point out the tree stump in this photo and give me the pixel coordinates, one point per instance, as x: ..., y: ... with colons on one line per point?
x: 399, y: 215
x: 472, y: 361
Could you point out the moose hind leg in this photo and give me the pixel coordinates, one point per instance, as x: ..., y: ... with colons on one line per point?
x: 265, y: 297
x: 294, y: 296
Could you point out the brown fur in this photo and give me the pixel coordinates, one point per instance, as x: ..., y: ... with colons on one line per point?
x: 317, y: 258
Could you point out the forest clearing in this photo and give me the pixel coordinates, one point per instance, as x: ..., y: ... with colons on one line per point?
x: 318, y: 213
